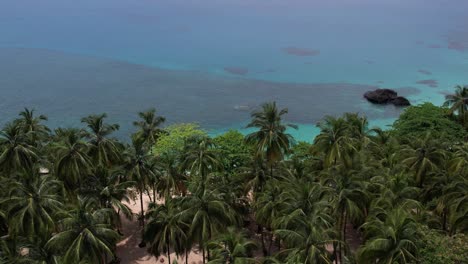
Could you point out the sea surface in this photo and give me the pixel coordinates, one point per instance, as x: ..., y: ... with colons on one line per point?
x: 215, y: 61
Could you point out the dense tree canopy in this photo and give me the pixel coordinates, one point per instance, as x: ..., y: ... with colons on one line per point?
x: 353, y: 195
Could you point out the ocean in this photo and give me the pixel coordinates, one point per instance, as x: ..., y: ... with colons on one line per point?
x: 213, y: 62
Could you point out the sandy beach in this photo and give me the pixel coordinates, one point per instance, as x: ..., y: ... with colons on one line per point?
x: 128, y: 250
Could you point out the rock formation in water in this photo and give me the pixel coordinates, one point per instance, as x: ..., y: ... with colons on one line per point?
x: 386, y: 96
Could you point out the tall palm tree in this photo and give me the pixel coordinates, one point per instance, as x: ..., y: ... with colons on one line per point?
x: 334, y: 141
x: 165, y: 229
x: 271, y: 142
x: 17, y: 153
x: 305, y: 238
x: 32, y: 125
x: 148, y: 126
x: 72, y: 162
x: 232, y: 246
x: 103, y: 150
x: 139, y: 166
x: 349, y: 199
x: 109, y: 189
x: 391, y: 240
x: 32, y: 207
x: 207, y: 213
x: 84, y: 236
x: 458, y: 102
x: 200, y: 158
x: 423, y: 157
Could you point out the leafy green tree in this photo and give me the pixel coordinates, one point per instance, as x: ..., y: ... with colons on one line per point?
x: 416, y: 121
x: 232, y: 149
x: 173, y: 141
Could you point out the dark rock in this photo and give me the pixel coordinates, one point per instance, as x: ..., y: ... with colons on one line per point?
x: 400, y: 101
x: 386, y: 96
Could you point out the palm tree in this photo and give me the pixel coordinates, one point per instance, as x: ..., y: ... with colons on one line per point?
x: 103, y: 150
x: 165, y: 229
x: 271, y: 142
x: 423, y: 157
x: 305, y: 238
x: 149, y: 126
x: 391, y: 240
x: 232, y: 246
x: 32, y: 125
x: 139, y: 164
x: 334, y: 141
x: 200, y: 158
x: 458, y: 102
x: 349, y: 199
x: 17, y: 154
x: 207, y: 213
x: 84, y: 236
x: 109, y: 189
x: 72, y: 162
x: 32, y: 207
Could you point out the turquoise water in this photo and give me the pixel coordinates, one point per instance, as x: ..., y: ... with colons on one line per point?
x: 213, y: 62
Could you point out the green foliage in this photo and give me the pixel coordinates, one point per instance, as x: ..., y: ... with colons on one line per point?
x: 417, y: 121
x: 173, y: 141
x: 232, y: 148
x: 438, y: 248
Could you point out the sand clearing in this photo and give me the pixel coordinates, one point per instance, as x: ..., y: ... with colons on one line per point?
x: 128, y: 250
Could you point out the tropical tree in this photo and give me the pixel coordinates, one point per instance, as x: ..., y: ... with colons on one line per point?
x: 334, y: 141
x: 201, y: 159
x: 72, y: 162
x: 32, y: 125
x: 423, y: 157
x: 17, y: 153
x: 32, y: 207
x: 207, y: 213
x: 84, y: 236
x: 391, y: 239
x: 271, y: 142
x: 165, y: 229
x: 139, y: 167
x: 232, y: 246
x: 458, y: 102
x: 148, y: 126
x: 103, y: 150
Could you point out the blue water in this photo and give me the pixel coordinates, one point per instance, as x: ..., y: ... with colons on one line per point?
x: 212, y: 61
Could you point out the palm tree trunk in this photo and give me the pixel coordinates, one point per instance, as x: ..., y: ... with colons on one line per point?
x: 203, y: 253
x: 270, y: 244
x: 344, y: 235
x: 186, y: 256
x: 444, y: 219
x: 154, y: 192
x: 168, y: 254
x: 263, y: 243
x: 142, y: 210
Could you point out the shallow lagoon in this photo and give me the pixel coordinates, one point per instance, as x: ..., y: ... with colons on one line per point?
x: 212, y: 62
